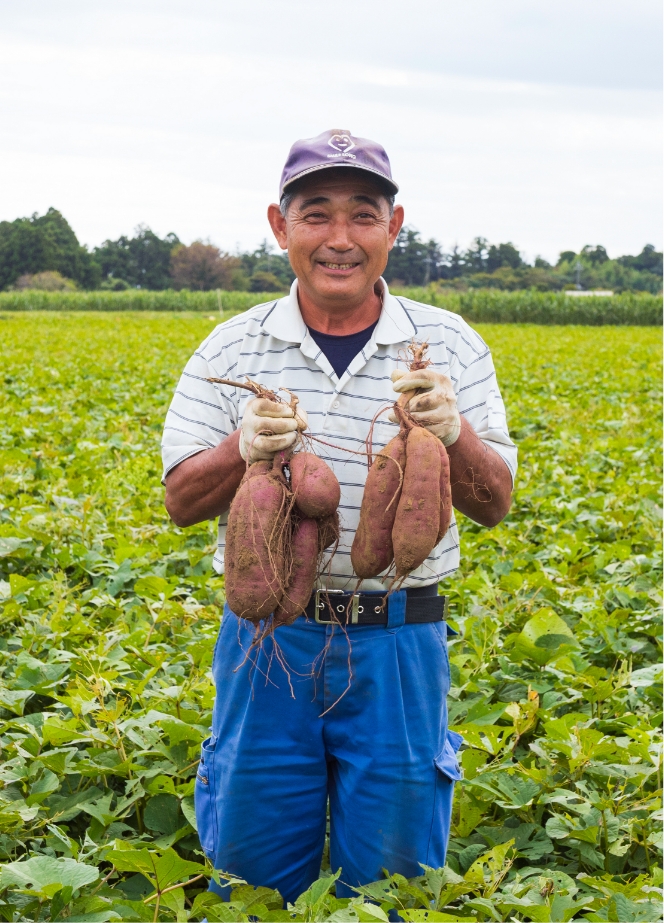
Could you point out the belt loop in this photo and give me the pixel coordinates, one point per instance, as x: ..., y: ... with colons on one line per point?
x: 396, y: 610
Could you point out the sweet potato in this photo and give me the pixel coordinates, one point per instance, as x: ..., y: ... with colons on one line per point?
x: 417, y: 519
x: 303, y: 556
x: 372, y: 550
x: 258, y: 467
x: 315, y: 487
x: 328, y: 532
x: 445, y: 493
x: 255, y: 538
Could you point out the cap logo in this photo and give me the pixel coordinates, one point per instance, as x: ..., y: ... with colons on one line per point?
x: 341, y: 143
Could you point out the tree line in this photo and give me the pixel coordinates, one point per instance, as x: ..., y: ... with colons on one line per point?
x: 44, y: 252
x: 414, y: 262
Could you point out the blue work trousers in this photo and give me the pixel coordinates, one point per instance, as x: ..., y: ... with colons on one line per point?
x: 358, y: 716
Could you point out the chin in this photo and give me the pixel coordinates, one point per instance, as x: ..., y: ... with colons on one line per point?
x: 343, y: 288
x: 349, y: 285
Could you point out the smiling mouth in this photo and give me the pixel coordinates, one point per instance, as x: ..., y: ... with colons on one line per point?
x: 339, y: 266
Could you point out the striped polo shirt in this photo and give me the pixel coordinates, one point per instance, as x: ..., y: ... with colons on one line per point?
x: 271, y: 345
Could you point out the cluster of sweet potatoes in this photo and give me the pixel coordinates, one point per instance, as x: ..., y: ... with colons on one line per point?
x: 282, y: 518
x: 284, y: 515
x: 407, y: 503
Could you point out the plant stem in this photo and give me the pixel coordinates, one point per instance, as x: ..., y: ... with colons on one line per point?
x: 183, y: 884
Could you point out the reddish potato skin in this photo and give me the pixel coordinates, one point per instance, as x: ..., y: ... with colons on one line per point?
x: 254, y: 542
x: 259, y: 467
x: 445, y: 493
x: 328, y: 532
x: 417, y: 519
x: 314, y: 485
x: 372, y: 550
x: 304, y: 551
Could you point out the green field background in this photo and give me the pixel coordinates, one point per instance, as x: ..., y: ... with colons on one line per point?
x: 108, y: 616
x: 481, y: 306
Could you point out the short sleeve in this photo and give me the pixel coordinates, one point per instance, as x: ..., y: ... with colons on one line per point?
x: 201, y: 414
x: 481, y: 403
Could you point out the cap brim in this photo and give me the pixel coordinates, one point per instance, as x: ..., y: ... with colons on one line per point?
x: 391, y: 185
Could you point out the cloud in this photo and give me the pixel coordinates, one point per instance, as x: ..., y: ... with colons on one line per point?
x: 181, y: 118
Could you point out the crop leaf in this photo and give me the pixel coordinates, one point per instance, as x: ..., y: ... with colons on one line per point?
x: 46, y: 875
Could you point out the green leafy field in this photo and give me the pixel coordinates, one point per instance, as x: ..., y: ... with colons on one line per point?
x: 134, y: 300
x: 109, y: 614
x: 486, y: 306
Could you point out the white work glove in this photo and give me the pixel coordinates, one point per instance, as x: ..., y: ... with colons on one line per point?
x: 435, y: 408
x: 268, y: 428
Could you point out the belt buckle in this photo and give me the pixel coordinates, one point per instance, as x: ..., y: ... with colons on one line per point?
x: 320, y: 606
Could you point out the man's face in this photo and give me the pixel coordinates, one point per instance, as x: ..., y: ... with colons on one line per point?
x: 338, y: 232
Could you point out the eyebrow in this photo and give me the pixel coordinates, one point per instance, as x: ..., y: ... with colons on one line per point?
x: 321, y: 200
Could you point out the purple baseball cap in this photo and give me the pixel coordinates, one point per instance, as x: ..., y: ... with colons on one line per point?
x: 336, y: 148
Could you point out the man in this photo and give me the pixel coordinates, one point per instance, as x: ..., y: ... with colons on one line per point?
x: 356, y: 712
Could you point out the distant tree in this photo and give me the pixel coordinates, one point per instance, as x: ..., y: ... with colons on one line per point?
x: 413, y: 261
x: 648, y: 259
x: 476, y: 257
x: 541, y: 263
x: 567, y: 256
x: 261, y: 281
x: 594, y: 255
x: 44, y: 243
x: 453, y: 265
x: 142, y: 261
x: 265, y: 260
x: 503, y: 255
x: 202, y: 267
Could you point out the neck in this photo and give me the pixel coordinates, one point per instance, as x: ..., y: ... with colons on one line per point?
x: 340, y: 319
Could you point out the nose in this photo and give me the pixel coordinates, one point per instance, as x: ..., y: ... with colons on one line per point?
x: 339, y: 236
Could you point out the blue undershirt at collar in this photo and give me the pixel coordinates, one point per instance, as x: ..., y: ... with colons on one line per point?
x: 341, y: 350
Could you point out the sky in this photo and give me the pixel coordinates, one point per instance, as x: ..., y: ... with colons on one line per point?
x: 530, y: 121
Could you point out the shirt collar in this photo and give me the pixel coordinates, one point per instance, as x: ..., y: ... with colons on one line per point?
x: 284, y: 321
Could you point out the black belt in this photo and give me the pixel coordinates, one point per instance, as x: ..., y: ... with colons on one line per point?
x: 330, y: 606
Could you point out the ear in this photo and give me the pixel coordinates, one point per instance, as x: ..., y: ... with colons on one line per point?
x: 278, y: 225
x: 396, y: 221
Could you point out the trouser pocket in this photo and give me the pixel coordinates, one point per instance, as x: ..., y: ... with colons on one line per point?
x: 447, y: 762
x: 205, y: 800
x: 448, y: 772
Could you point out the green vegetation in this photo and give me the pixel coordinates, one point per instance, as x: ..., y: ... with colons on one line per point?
x: 142, y: 261
x: 50, y: 280
x: 31, y: 246
x: 32, y: 249
x: 37, y: 244
x: 533, y: 307
x: 484, y: 265
x: 134, y: 300
x: 477, y: 306
x: 109, y: 615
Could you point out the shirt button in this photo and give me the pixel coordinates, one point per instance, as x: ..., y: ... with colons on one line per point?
x: 336, y: 404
